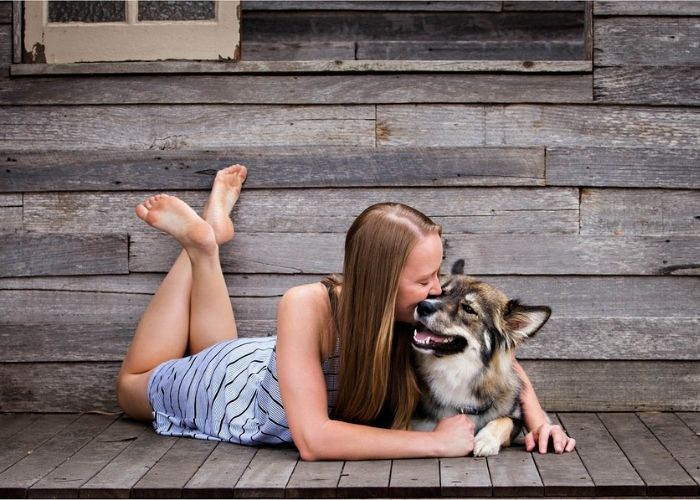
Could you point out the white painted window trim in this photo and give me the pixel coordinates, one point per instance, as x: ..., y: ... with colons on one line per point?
x: 58, y: 43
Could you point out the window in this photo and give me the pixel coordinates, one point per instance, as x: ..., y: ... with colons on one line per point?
x: 130, y: 30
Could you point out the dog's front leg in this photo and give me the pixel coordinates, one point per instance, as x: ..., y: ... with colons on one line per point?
x: 494, y: 435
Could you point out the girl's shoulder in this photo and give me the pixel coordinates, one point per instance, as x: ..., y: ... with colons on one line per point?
x: 308, y: 307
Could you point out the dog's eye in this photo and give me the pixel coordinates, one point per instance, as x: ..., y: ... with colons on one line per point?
x: 468, y: 309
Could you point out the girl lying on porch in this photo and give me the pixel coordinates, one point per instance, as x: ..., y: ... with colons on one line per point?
x: 336, y: 381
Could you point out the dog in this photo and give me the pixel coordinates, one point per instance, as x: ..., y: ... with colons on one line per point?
x: 464, y: 346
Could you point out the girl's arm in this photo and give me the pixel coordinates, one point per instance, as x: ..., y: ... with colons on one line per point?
x: 303, y: 317
x: 536, y: 421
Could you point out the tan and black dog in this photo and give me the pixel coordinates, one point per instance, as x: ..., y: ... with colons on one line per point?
x: 464, y: 349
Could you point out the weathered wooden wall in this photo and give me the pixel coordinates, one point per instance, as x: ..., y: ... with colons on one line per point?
x: 577, y: 190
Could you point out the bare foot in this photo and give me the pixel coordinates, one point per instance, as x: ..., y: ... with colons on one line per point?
x: 175, y: 217
x: 224, y: 194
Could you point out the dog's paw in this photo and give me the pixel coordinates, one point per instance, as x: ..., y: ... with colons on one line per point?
x: 486, y: 444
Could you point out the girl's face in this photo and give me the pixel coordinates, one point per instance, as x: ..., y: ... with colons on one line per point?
x: 419, y: 277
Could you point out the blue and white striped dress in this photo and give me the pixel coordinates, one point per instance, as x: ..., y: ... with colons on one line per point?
x: 227, y: 392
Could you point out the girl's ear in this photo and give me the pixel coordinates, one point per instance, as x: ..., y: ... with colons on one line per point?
x: 523, y: 321
x: 458, y: 267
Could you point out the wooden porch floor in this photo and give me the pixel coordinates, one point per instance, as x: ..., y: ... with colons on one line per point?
x: 90, y: 456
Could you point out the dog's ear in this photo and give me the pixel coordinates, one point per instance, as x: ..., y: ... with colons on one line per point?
x: 523, y: 321
x: 458, y: 267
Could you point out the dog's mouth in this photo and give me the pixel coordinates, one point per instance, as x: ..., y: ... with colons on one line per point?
x: 424, y: 338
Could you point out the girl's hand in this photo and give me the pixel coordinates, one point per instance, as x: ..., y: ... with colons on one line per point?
x: 540, y: 438
x: 455, y: 436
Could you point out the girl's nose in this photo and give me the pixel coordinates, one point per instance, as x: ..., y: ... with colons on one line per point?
x: 435, y: 288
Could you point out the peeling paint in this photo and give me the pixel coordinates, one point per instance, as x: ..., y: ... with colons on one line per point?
x: 36, y: 55
x: 383, y: 131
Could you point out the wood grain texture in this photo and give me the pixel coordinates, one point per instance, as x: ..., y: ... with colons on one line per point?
x: 117, y: 479
x: 271, y: 5
x: 647, y: 8
x: 5, y: 52
x: 634, y: 297
x: 174, y: 469
x: 306, y: 88
x: 621, y: 41
x: 10, y: 219
x: 661, y: 473
x: 152, y: 127
x: 486, y: 254
x: 365, y: 479
x: 29, y: 254
x: 415, y: 478
x: 19, y: 478
x: 272, y: 167
x: 267, y: 474
x: 648, y: 212
x: 623, y: 167
x: 536, y: 125
x: 679, y: 440
x: 464, y: 477
x: 561, y: 338
x: 604, y: 460
x: 514, y: 473
x: 314, y: 479
x: 470, y: 210
x: 633, y: 84
x: 610, y: 386
x: 67, y: 479
x: 220, y: 472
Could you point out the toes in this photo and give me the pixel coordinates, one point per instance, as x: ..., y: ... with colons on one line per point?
x: 141, y: 211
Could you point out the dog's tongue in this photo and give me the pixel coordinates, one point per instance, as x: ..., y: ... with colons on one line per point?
x: 422, y: 336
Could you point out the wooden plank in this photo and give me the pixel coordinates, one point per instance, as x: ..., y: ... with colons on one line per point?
x: 167, y: 478
x: 117, y: 479
x: 298, y: 51
x: 346, y: 88
x: 514, y: 473
x: 651, y: 212
x: 6, y: 52
x: 563, y: 475
x: 314, y: 480
x: 220, y: 472
x: 647, y: 8
x: 414, y: 26
x: 273, y: 168
x: 610, y: 385
x: 622, y: 41
x: 17, y: 479
x: 499, y: 50
x: 28, y: 254
x: 672, y: 85
x: 267, y: 474
x: 365, y: 479
x: 58, y: 387
x: 465, y: 477
x: 14, y: 423
x: 547, y: 5
x: 537, y: 125
x: 571, y: 297
x: 65, y: 480
x: 677, y: 438
x: 604, y: 460
x: 23, y: 444
x: 271, y: 5
x: 184, y: 127
x: 624, y: 167
x: 471, y: 210
x: 561, y: 338
x: 415, y: 478
x: 10, y: 219
x: 298, y: 67
x: 6, y: 12
x: 692, y: 420
x: 488, y: 254
x: 615, y: 385
x: 661, y: 473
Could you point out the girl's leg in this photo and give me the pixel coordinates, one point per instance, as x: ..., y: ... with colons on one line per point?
x: 165, y: 331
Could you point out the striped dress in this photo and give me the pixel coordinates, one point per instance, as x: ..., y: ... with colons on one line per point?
x: 227, y: 392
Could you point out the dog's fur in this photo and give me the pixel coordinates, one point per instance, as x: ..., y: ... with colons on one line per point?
x: 464, y: 347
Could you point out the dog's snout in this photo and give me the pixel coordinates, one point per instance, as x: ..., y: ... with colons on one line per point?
x: 426, y: 307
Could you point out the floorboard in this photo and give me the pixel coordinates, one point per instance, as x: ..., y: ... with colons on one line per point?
x: 105, y: 456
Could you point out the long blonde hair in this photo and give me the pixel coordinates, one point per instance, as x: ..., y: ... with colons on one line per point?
x: 376, y: 382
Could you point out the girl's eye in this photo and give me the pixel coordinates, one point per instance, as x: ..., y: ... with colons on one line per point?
x: 467, y: 309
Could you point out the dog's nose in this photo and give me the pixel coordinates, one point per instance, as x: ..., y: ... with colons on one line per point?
x: 426, y: 307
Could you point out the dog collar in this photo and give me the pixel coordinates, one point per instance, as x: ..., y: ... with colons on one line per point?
x: 475, y: 410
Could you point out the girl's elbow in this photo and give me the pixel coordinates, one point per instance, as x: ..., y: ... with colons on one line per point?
x: 313, y: 447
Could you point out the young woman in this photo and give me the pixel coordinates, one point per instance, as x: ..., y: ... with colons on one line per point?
x: 336, y: 381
